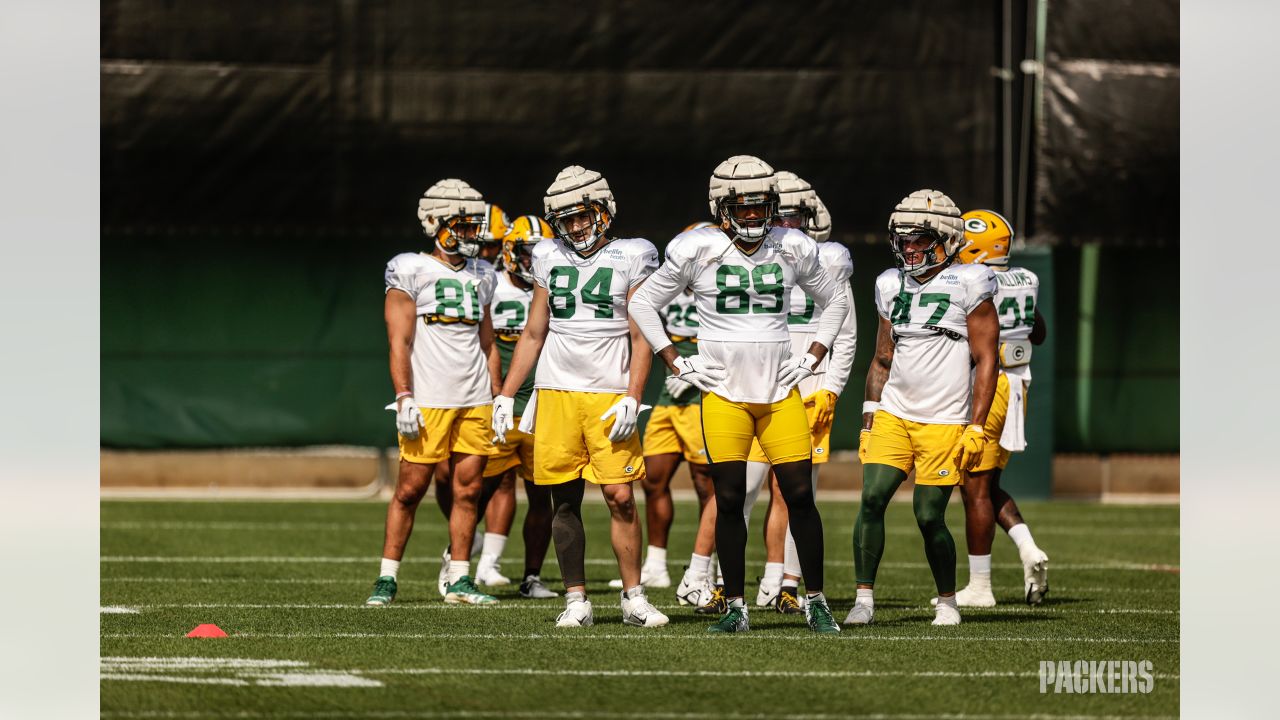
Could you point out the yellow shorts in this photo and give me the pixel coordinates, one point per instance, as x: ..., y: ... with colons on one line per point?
x: 729, y: 427
x: 994, y: 456
x: 516, y: 452
x: 676, y: 429
x: 905, y: 444
x: 821, y: 438
x: 570, y: 441
x: 450, y: 430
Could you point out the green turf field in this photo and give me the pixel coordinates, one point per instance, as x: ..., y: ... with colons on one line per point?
x: 286, y: 580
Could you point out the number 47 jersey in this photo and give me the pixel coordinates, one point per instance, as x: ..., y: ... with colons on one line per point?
x: 588, y: 346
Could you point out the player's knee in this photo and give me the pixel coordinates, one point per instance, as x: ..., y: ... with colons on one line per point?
x: 874, y: 504
x: 408, y: 496
x: 621, y: 501
x: 930, y: 518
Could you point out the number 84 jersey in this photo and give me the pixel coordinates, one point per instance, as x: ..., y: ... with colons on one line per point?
x: 588, y: 346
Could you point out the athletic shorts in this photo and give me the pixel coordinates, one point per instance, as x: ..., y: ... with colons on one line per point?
x: 994, y: 456
x: 821, y: 438
x: 782, y: 429
x: 906, y: 444
x: 676, y: 429
x: 450, y: 430
x: 570, y: 441
x: 516, y: 452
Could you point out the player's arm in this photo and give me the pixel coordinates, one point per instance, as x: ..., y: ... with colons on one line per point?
x: 400, y: 312
x: 1039, y: 331
x: 984, y: 338
x: 641, y: 355
x: 834, y: 300
x: 842, y: 352
x: 643, y: 307
x: 530, y: 344
x: 878, y: 373
x: 490, y: 350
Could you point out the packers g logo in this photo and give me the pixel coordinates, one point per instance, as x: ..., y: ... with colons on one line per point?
x: 629, y: 469
x: 944, y: 472
x: 975, y: 225
x: 818, y: 450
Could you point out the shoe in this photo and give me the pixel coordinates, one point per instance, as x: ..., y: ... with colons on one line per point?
x: 488, y: 573
x: 717, y: 604
x: 442, y: 581
x: 1035, y: 573
x: 787, y: 604
x: 818, y: 615
x: 384, y: 591
x: 860, y: 614
x: 946, y: 614
x: 638, y: 611
x: 577, y: 612
x: 650, y: 577
x: 733, y: 621
x: 695, y: 589
x: 465, y: 592
x: 768, y: 593
x: 532, y: 587
x: 970, y: 596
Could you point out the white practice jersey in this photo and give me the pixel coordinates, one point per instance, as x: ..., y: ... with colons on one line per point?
x: 931, y: 379
x: 510, y: 306
x: 449, y: 369
x: 802, y: 322
x: 588, y: 347
x: 742, y: 303
x: 681, y: 316
x: 1017, y: 291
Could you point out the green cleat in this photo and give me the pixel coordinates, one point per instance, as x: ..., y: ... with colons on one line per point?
x: 465, y: 592
x: 819, y: 616
x: 734, y: 621
x: 384, y: 591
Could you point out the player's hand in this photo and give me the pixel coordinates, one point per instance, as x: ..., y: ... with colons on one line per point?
x: 864, y: 443
x: 968, y: 450
x: 824, y: 408
x: 503, y: 417
x: 624, y: 415
x: 796, y: 369
x: 676, y: 387
x: 700, y: 373
x: 408, y: 417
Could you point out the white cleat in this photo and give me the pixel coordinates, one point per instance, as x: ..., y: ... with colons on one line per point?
x: 577, y: 612
x: 650, y: 577
x: 638, y: 611
x: 767, y: 595
x: 946, y: 614
x: 1035, y: 573
x: 488, y: 572
x: 970, y: 596
x: 533, y: 587
x: 860, y: 614
x: 695, y: 589
x: 442, y: 582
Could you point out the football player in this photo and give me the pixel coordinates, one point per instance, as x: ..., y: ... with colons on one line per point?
x: 938, y: 329
x: 514, y: 457
x: 674, y: 432
x: 742, y: 273
x: 989, y: 238
x: 443, y: 367
x: 801, y: 208
x: 495, y: 227
x: 591, y: 370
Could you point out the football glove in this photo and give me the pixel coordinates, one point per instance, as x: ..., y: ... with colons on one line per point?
x: 796, y: 369
x: 503, y: 417
x: 824, y: 408
x: 864, y: 442
x: 700, y: 373
x: 408, y: 417
x: 968, y: 449
x: 676, y: 387
x: 624, y: 414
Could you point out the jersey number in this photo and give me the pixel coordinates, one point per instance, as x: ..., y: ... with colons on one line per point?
x: 901, y: 314
x: 805, y: 317
x: 1026, y: 317
x: 451, y: 293
x: 596, y: 292
x: 732, y: 282
x: 515, y: 307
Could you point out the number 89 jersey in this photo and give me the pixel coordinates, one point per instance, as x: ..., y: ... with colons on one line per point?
x: 449, y: 370
x: 931, y: 376
x: 588, y: 348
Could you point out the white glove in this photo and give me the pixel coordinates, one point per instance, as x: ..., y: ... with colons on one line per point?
x: 503, y: 417
x: 796, y: 369
x: 698, y: 372
x: 408, y: 417
x: 624, y: 415
x: 677, y: 387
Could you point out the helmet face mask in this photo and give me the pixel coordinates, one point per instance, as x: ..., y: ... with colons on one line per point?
x: 749, y: 216
x: 917, y: 249
x: 521, y: 261
x: 799, y: 218
x: 581, y: 225
x: 517, y: 247
x: 460, y: 235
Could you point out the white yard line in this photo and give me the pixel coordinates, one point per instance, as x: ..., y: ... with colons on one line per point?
x: 719, y: 673
x: 117, y: 610
x: 848, y: 636
x: 518, y: 605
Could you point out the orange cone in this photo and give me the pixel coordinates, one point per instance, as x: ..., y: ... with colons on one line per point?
x: 207, y: 630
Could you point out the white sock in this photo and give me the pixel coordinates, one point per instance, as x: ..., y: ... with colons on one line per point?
x: 772, y: 573
x: 477, y: 542
x: 699, y: 564
x: 635, y: 592
x: 739, y: 603
x: 790, y: 558
x: 816, y: 596
x: 719, y: 575
x: 949, y: 600
x: 980, y: 570
x: 389, y: 567
x: 458, y: 568
x: 655, y: 557
x: 866, y: 596
x: 1020, y: 534
x: 494, y: 544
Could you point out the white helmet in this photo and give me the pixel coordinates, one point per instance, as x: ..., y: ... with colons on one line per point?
x: 447, y: 204
x: 821, y: 223
x: 577, y: 190
x: 796, y: 199
x: 739, y: 182
x: 928, y: 213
